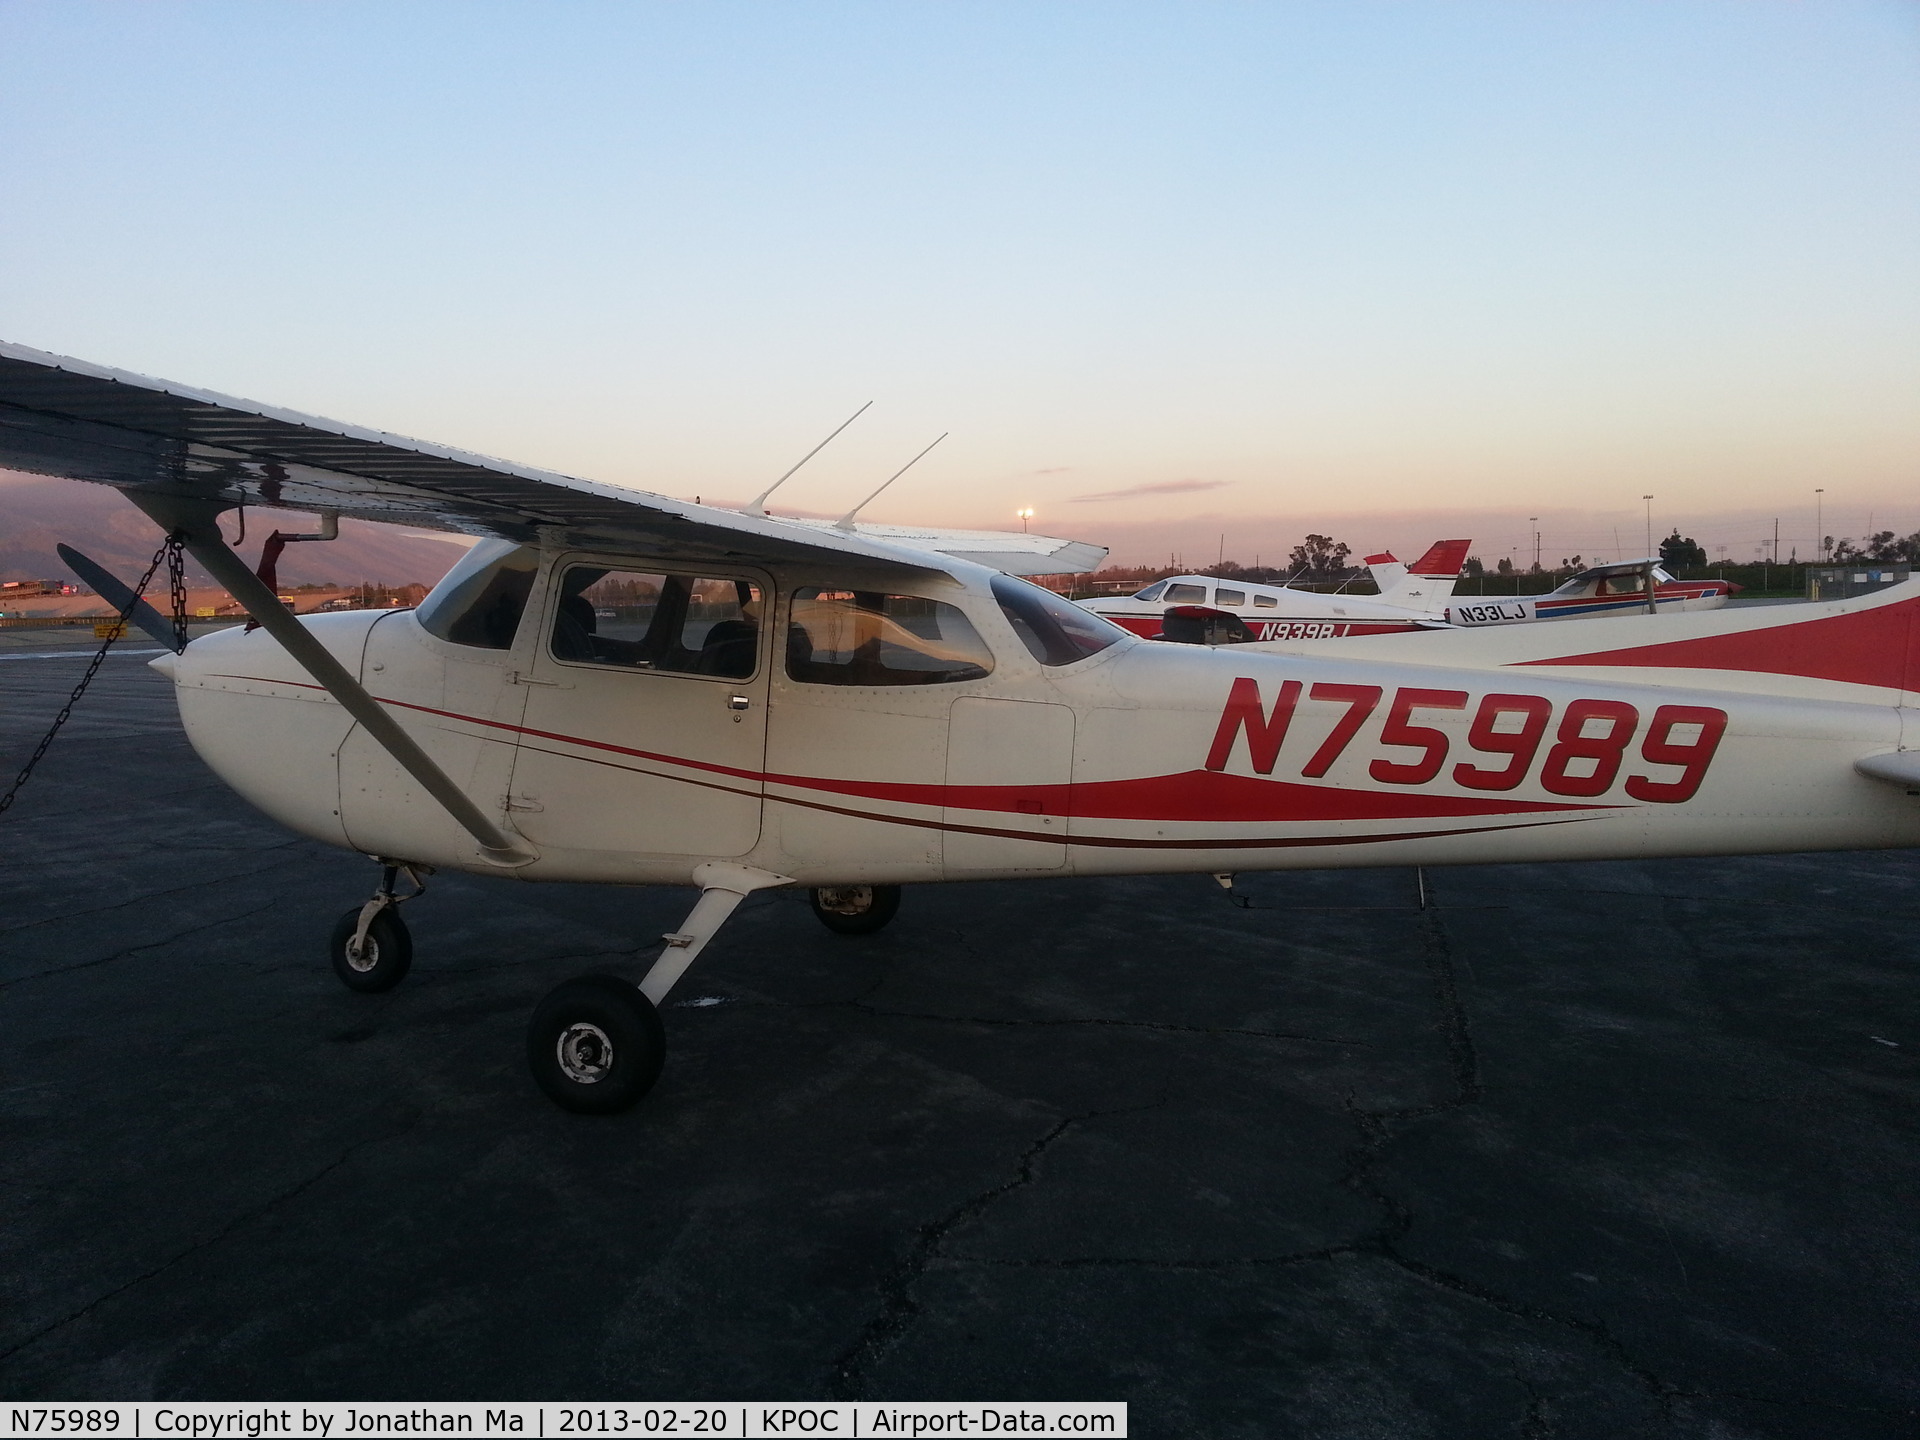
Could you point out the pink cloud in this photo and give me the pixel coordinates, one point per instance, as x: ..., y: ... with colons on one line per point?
x: 1159, y: 487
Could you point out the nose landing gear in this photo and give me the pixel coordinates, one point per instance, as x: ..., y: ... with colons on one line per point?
x: 370, y: 948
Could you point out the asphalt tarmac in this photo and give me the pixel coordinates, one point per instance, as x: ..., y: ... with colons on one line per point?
x: 1583, y: 1150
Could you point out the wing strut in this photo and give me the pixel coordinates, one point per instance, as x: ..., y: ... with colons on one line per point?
x: 195, y: 521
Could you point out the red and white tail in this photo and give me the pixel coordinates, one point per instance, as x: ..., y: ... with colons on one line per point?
x: 1865, y: 649
x: 1873, y: 640
x: 1442, y: 560
x: 1427, y: 584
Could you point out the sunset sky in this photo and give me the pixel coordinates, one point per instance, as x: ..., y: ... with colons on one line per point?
x: 1180, y: 277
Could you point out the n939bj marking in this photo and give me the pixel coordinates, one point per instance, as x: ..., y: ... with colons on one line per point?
x: 1588, y: 750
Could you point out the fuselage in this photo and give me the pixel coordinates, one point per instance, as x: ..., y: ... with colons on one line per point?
x: 1584, y: 598
x: 839, y: 727
x: 1271, y: 612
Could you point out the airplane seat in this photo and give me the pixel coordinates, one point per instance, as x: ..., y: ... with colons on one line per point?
x: 729, y: 649
x: 574, y: 624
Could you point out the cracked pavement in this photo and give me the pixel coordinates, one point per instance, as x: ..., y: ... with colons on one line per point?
x: 1583, y: 1150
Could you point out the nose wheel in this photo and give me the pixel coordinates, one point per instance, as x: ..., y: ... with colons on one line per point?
x: 370, y: 948
x: 376, y: 960
x: 855, y: 909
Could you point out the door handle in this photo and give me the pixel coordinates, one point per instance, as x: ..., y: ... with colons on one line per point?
x: 739, y: 703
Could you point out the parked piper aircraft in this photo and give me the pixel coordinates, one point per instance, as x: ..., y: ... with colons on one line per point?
x: 1411, y: 597
x: 619, y: 687
x: 1621, y: 588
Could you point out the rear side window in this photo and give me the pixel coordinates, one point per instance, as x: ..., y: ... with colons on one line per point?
x: 865, y: 637
x: 480, y: 601
x: 640, y: 620
x: 1229, y: 597
x: 1056, y: 631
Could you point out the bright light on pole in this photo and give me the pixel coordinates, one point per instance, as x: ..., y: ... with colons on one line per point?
x: 1025, y: 515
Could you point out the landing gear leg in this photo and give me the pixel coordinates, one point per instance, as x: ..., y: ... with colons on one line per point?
x: 371, y: 949
x: 596, y: 1044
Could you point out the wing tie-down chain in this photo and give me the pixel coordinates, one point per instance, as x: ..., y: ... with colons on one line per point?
x: 170, y: 553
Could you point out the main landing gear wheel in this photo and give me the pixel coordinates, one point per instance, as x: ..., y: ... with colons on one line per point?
x: 382, y: 961
x: 855, y: 909
x: 596, y: 1045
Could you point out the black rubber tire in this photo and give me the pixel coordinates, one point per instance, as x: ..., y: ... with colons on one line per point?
x: 596, y: 1023
x: 388, y: 957
x: 843, y: 912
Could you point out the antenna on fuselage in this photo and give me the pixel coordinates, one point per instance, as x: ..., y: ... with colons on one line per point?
x: 759, y: 502
x: 845, y: 522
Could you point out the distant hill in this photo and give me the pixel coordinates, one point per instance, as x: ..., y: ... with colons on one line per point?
x: 36, y: 513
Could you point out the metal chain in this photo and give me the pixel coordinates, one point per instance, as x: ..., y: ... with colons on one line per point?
x: 170, y: 552
x: 177, y: 583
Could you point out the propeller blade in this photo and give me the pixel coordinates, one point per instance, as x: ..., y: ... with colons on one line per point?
x: 104, y: 584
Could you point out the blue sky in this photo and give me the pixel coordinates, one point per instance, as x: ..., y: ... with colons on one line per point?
x: 1382, y: 267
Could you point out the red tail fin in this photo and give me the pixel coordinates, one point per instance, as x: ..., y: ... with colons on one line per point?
x: 1872, y: 645
x: 1442, y: 560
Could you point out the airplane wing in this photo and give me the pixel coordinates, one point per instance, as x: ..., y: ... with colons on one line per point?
x: 1616, y: 567
x: 60, y: 416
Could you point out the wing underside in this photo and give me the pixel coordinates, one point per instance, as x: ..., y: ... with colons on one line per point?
x: 70, y: 418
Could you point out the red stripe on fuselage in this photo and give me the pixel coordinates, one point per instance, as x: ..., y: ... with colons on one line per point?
x: 1866, y: 647
x: 1194, y: 796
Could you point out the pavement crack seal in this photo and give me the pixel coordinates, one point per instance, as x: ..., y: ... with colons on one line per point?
x: 1185, y: 1267
x: 1377, y: 1127
x: 153, y: 895
x: 898, y: 1308
x: 238, y: 1222
x: 131, y: 951
x: 1018, y: 1023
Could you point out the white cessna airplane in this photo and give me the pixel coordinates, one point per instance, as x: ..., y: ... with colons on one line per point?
x: 624, y: 688
x: 1411, y: 597
x: 1622, y: 587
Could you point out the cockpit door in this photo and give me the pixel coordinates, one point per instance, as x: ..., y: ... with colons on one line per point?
x: 445, y: 672
x: 644, y: 732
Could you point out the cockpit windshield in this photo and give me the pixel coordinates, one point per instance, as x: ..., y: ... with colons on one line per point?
x: 479, y: 602
x: 1152, y: 592
x: 1056, y: 632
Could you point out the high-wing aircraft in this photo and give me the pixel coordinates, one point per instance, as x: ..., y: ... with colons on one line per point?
x: 1411, y: 597
x: 618, y: 687
x: 1624, y: 587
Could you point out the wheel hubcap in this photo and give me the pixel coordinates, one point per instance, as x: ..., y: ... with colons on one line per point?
x: 585, y: 1053
x: 847, y: 899
x: 362, y: 958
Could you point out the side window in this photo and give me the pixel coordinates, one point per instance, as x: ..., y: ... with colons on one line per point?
x: 480, y: 601
x: 1186, y: 595
x: 639, y: 620
x: 1055, y: 630
x: 864, y: 637
x: 1229, y: 597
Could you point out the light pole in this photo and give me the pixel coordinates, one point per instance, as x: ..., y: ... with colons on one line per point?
x: 1819, y: 525
x: 1535, y: 520
x: 1649, y: 500
x: 1025, y: 515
